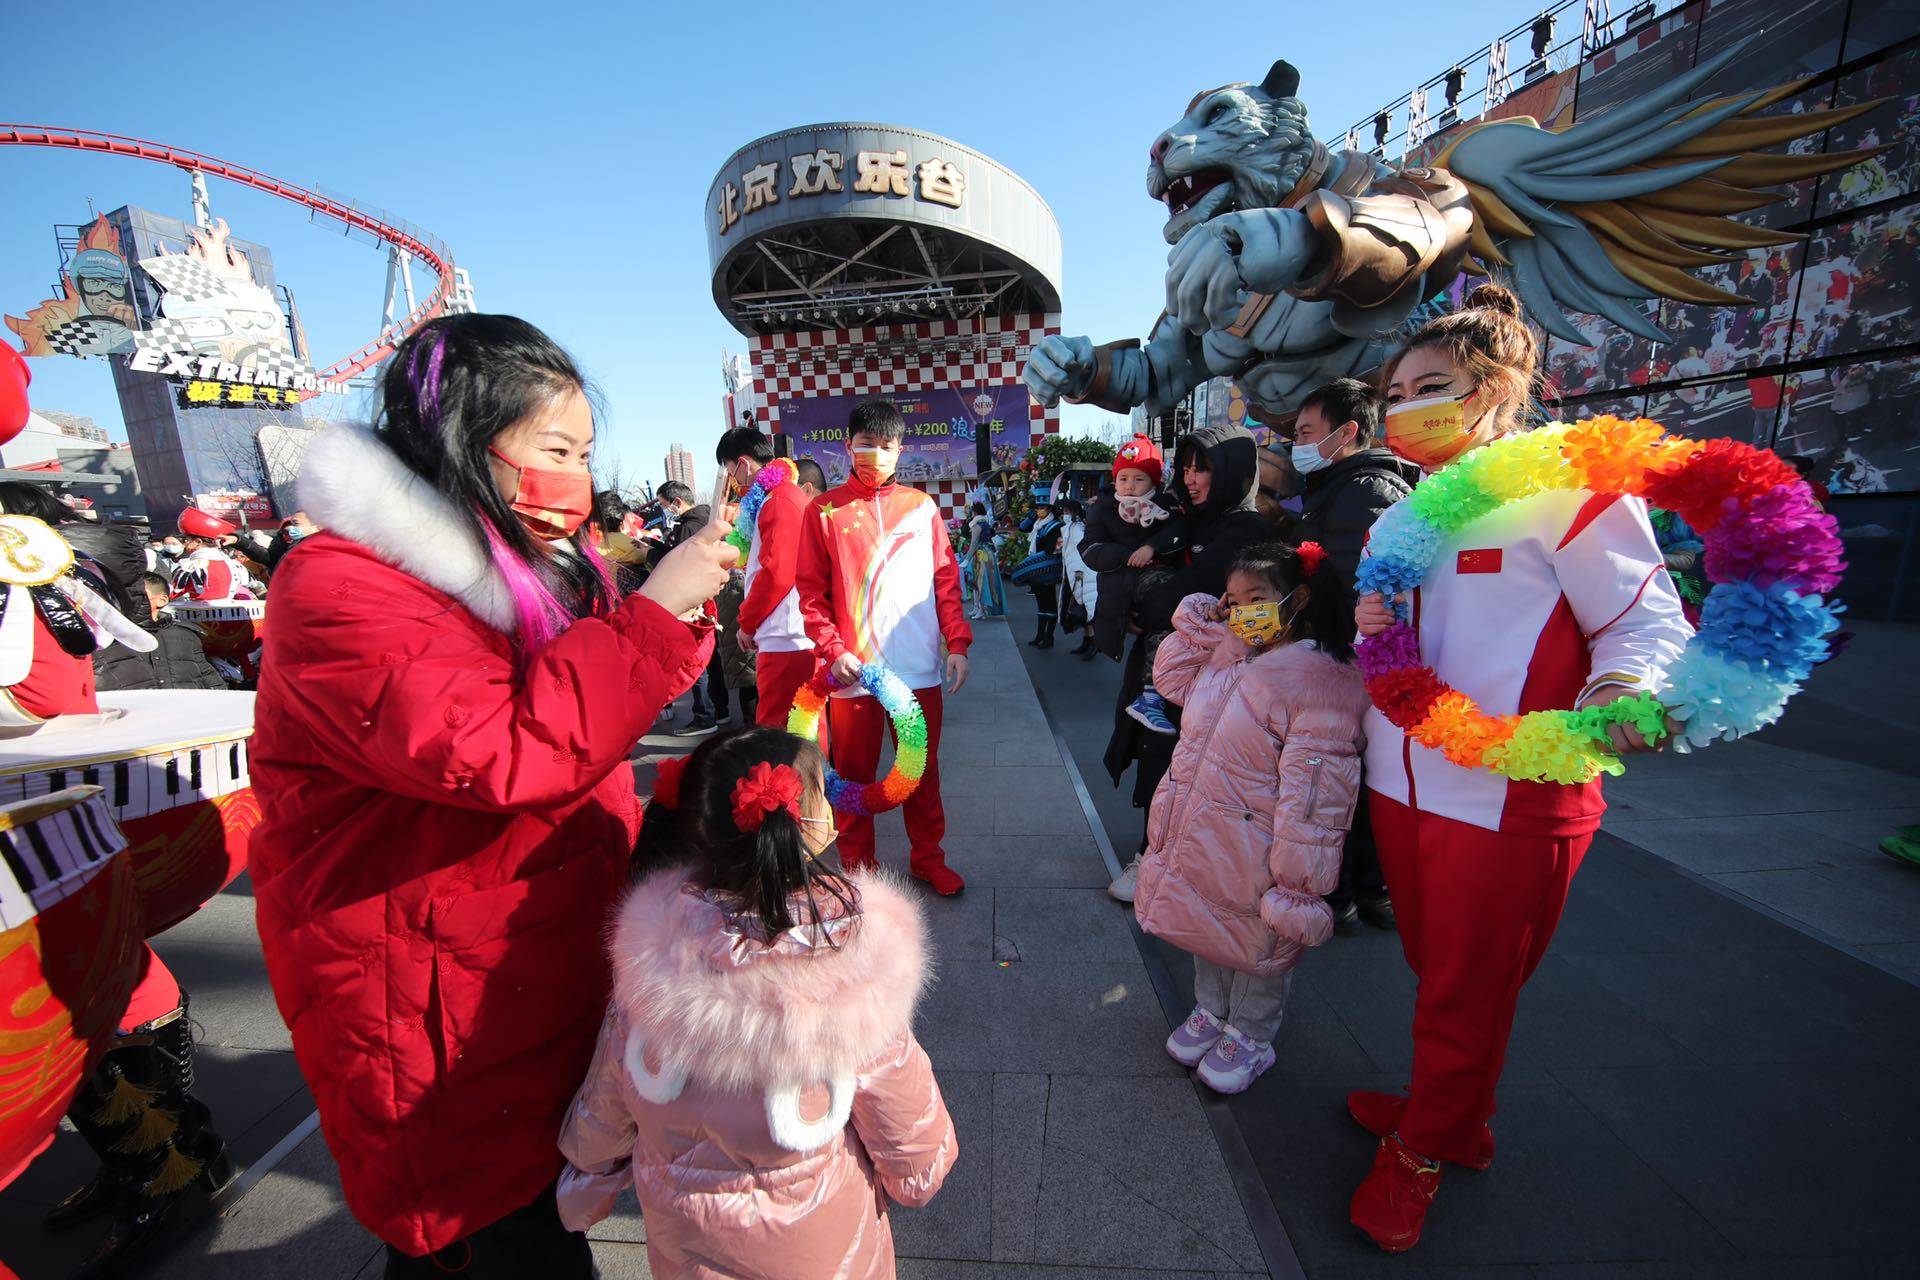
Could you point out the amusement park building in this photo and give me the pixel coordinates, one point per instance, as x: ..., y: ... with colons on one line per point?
x: 863, y: 260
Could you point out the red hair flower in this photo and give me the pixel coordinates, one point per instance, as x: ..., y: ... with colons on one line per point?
x: 766, y: 787
x: 666, y: 781
x: 1312, y: 556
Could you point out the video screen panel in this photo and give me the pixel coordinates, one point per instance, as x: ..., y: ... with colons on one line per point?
x: 1615, y: 359
x: 1858, y: 289
x: 1879, y: 24
x: 1857, y: 425
x: 1744, y: 409
x: 1730, y: 338
x: 1895, y: 123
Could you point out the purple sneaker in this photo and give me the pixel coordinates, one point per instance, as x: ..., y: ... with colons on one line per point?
x: 1234, y: 1062
x: 1194, y: 1038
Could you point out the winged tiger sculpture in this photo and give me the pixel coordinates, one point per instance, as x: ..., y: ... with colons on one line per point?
x: 1292, y: 264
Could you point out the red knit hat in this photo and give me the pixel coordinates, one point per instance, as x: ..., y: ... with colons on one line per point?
x: 196, y: 523
x: 1139, y: 454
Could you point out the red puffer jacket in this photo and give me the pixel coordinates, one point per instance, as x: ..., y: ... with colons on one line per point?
x: 443, y: 841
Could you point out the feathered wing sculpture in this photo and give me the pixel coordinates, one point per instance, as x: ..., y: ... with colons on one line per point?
x: 1614, y: 211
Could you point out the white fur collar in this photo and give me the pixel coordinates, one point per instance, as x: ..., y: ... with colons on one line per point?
x: 353, y: 485
x: 778, y: 1021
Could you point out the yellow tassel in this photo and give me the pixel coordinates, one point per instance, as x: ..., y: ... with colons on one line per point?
x: 125, y: 1102
x: 176, y: 1173
x: 153, y: 1128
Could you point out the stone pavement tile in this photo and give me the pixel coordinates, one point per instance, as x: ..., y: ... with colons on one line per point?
x: 1709, y: 845
x: 960, y: 927
x: 1865, y: 826
x: 1903, y: 957
x: 1567, y: 1019
x: 1028, y: 749
x: 1731, y: 1269
x: 940, y: 1269
x: 1760, y: 1004
x: 1012, y: 861
x: 1839, y: 903
x: 30, y: 1251
x: 1563, y: 1187
x: 1684, y: 796
x: 1019, y: 1127
x: 624, y: 1225
x: 1368, y: 987
x: 1313, y: 1037
x: 959, y: 1221
x: 1091, y: 1019
x: 1783, y: 1159
x: 227, y: 989
x: 1075, y: 925
x: 1133, y: 1178
x: 1627, y: 901
x: 617, y: 1260
x: 292, y: 1223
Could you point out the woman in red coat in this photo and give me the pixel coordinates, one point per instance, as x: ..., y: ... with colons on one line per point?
x: 450, y: 691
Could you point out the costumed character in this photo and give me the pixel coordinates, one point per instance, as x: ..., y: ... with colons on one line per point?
x: 1293, y: 265
x: 769, y: 624
x: 879, y: 584
x: 215, y: 592
x: 983, y: 566
x: 449, y: 698
x: 1041, y: 573
x: 206, y: 573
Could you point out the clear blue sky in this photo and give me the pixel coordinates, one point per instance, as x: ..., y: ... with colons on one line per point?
x: 564, y: 152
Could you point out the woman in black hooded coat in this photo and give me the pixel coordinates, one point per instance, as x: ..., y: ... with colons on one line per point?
x: 1219, y: 528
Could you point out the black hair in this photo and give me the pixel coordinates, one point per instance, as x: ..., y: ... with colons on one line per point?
x: 768, y: 867
x: 609, y: 509
x: 673, y: 491
x: 807, y: 471
x: 877, y: 417
x: 155, y: 582
x: 18, y: 498
x: 979, y: 508
x: 448, y: 392
x: 1327, y: 617
x: 1073, y: 507
x: 743, y: 442
x: 1347, y: 400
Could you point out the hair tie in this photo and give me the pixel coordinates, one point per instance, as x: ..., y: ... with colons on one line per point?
x: 666, y: 781
x: 766, y: 787
x: 1312, y: 556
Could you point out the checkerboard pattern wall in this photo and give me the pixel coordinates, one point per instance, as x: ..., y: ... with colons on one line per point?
x: 901, y: 358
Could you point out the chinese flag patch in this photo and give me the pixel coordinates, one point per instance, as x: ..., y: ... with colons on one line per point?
x: 1482, y: 561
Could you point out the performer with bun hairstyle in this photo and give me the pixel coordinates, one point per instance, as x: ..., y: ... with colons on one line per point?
x: 1555, y: 601
x: 452, y: 687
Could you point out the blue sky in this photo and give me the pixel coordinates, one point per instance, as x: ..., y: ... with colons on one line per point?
x: 563, y: 152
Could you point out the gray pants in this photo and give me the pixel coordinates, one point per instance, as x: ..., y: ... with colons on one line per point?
x: 1249, y: 1004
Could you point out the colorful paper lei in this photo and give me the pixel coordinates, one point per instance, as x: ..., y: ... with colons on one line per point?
x: 909, y: 736
x: 1771, y: 555
x: 778, y: 472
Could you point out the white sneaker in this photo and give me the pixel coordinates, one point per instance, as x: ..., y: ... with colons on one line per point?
x: 1193, y: 1039
x: 1234, y: 1062
x: 1121, y: 890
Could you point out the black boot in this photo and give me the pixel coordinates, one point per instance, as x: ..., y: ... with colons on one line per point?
x: 1045, y: 638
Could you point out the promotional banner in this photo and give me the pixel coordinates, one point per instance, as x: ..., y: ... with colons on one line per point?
x: 942, y: 426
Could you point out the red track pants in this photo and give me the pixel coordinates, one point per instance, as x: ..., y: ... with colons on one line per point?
x: 1476, y: 910
x: 856, y: 725
x: 778, y: 676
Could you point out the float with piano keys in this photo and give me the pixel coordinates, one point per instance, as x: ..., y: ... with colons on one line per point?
x: 172, y: 764
x: 231, y: 631
x: 70, y: 933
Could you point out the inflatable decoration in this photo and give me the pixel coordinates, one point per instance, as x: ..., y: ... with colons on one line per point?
x: 778, y: 472
x: 14, y: 377
x: 1770, y: 553
x: 909, y: 737
x: 69, y: 957
x: 1294, y: 265
x: 173, y: 766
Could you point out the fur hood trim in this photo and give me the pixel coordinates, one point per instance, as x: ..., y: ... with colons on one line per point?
x: 354, y: 486
x: 780, y: 1019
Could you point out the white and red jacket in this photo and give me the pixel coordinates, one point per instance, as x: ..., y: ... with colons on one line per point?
x: 878, y: 579
x: 210, y: 576
x: 770, y: 613
x: 1527, y: 609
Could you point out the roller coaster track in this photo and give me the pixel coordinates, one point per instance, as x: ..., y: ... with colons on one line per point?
x: 381, y: 226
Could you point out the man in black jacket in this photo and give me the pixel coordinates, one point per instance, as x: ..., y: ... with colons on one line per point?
x: 179, y: 663
x: 1348, y: 483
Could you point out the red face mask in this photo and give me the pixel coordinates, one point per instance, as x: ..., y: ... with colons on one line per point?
x: 552, y: 504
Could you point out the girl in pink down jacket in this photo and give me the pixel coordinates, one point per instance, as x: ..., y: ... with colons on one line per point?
x: 757, y: 1076
x: 1246, y: 829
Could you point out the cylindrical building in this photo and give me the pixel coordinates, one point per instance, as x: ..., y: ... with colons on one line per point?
x: 867, y: 259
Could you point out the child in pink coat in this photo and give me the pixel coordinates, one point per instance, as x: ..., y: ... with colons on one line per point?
x: 1246, y: 829
x: 757, y: 1076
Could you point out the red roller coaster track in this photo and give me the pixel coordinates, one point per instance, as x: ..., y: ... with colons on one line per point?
x: 410, y: 239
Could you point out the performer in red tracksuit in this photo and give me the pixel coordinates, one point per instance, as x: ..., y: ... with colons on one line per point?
x: 1559, y: 600
x: 770, y: 623
x: 879, y: 582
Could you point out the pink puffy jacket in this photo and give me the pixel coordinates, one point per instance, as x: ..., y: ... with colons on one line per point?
x: 1246, y: 828
x: 770, y: 1096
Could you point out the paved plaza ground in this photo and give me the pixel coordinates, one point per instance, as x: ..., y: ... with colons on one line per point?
x: 1713, y: 1074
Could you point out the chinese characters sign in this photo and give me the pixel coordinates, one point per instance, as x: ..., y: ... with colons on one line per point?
x: 942, y: 427
x: 823, y: 170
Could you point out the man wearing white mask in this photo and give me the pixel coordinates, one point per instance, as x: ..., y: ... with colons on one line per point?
x: 1346, y: 481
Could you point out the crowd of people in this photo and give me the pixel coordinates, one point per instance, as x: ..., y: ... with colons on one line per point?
x: 468, y: 642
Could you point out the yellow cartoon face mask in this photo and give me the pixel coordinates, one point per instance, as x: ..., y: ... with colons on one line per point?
x: 1432, y: 431
x: 1258, y: 624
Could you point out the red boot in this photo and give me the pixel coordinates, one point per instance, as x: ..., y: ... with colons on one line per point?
x: 939, y: 877
x: 1391, y: 1203
x: 1379, y: 1114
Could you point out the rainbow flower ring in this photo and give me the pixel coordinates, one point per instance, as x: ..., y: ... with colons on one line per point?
x: 778, y: 472
x: 1770, y: 553
x: 909, y: 735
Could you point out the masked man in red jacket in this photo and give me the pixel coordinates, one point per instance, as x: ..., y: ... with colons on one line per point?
x: 770, y: 625
x: 878, y: 583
